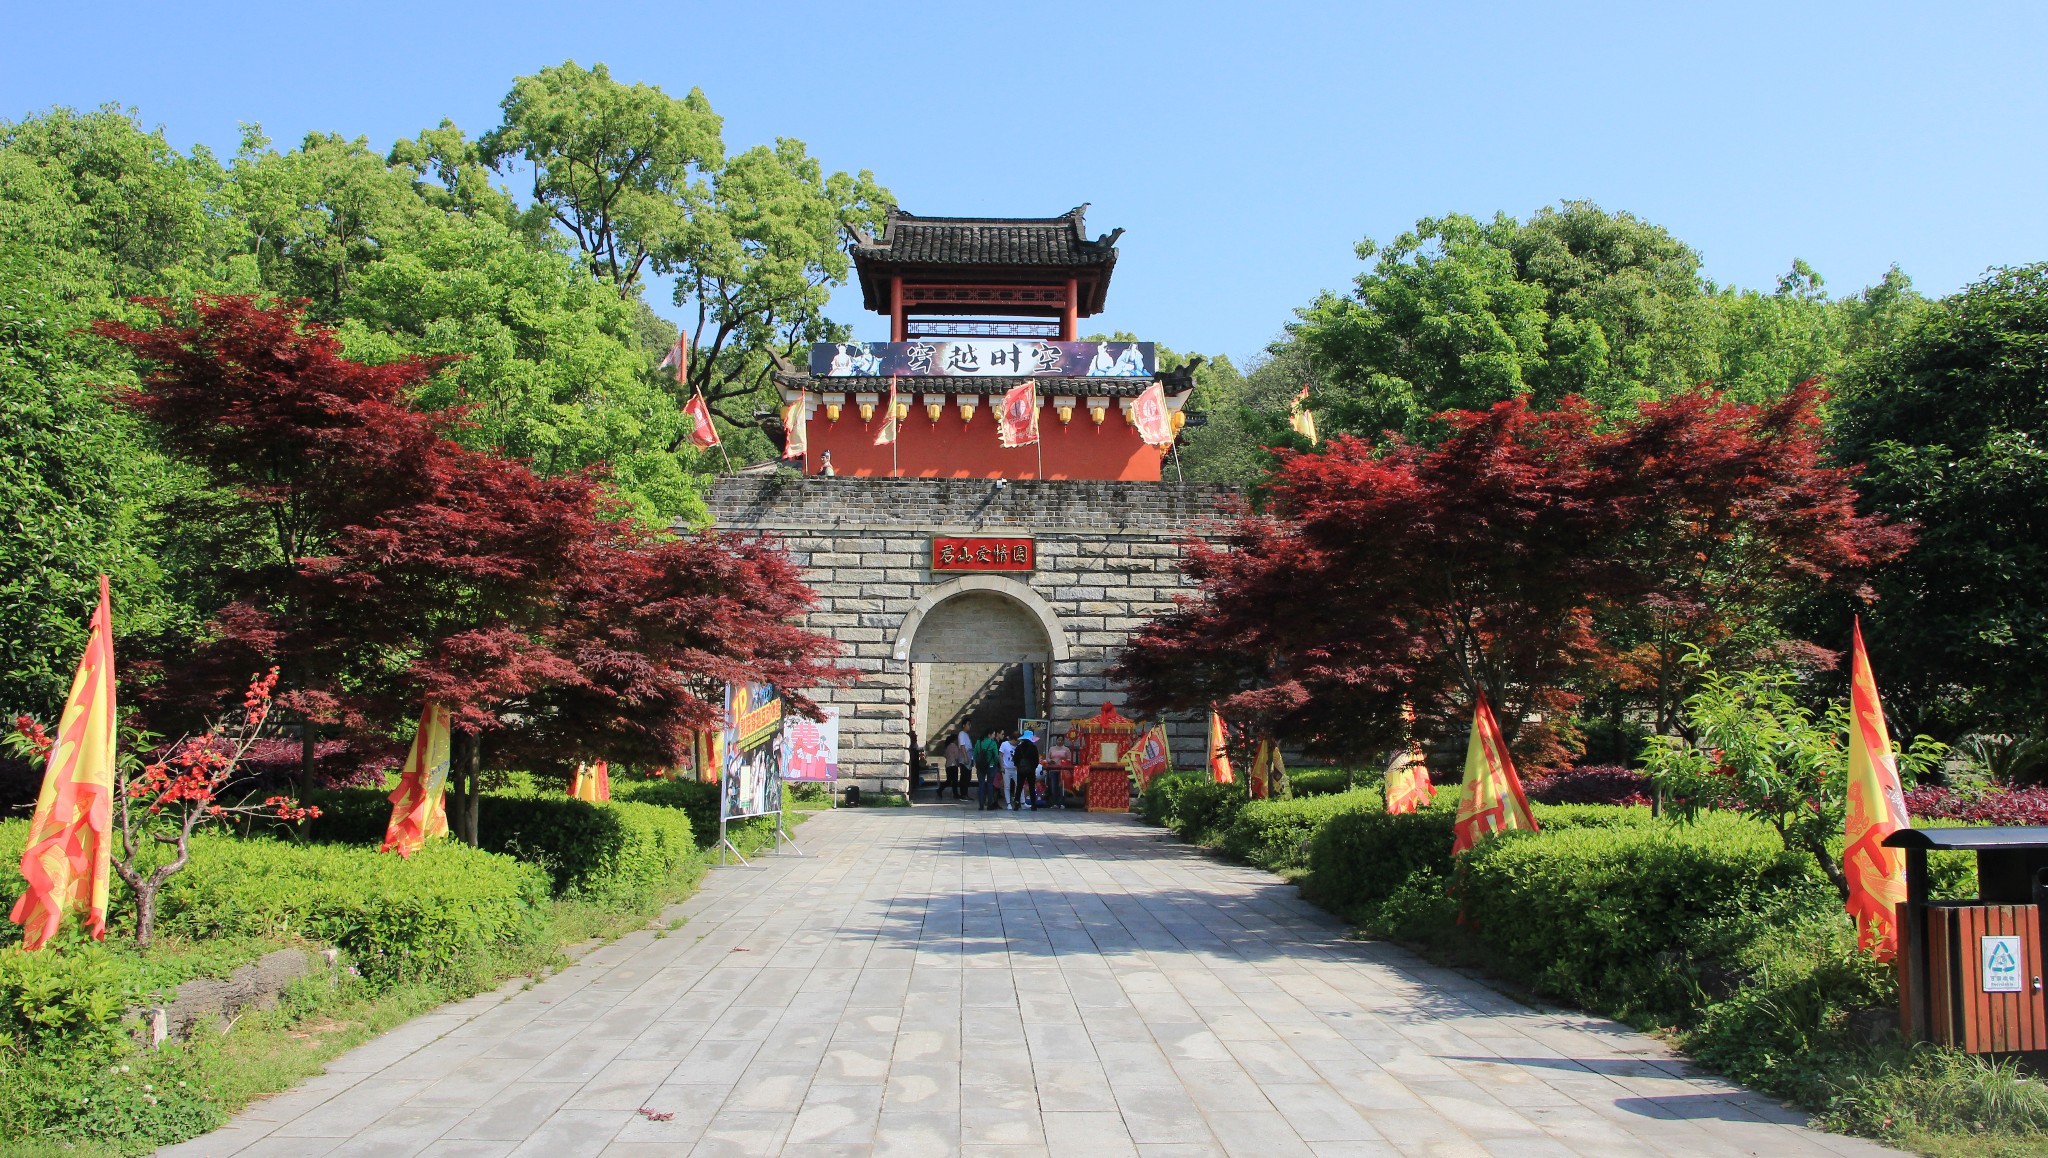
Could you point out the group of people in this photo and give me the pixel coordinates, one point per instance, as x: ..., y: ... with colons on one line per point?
x: 1001, y: 772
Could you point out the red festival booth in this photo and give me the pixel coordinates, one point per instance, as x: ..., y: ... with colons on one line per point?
x: 1099, y: 744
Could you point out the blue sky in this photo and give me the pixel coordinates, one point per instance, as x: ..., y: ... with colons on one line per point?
x: 1245, y: 148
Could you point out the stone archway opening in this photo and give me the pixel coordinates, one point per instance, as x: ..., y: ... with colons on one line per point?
x: 980, y: 657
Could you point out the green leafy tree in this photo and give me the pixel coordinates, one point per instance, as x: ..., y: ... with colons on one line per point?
x: 1460, y: 314
x: 1952, y: 417
x: 77, y: 484
x: 758, y: 268
x: 619, y: 167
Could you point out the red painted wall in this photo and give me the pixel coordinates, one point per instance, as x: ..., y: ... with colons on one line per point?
x: 951, y: 448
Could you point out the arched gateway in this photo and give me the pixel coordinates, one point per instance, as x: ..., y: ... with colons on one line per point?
x: 966, y: 580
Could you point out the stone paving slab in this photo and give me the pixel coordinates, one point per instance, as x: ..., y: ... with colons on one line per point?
x: 939, y: 981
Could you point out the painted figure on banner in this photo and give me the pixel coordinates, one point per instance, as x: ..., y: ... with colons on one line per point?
x: 1877, y: 808
x: 68, y: 860
x: 810, y: 748
x: 1149, y: 757
x: 1149, y: 415
x: 419, y: 809
x: 984, y: 358
x: 1018, y: 422
x: 1491, y: 799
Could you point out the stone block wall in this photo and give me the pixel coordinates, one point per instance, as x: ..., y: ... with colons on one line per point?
x: 1107, y: 562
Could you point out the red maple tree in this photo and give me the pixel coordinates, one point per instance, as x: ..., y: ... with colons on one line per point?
x: 1516, y: 556
x: 399, y: 566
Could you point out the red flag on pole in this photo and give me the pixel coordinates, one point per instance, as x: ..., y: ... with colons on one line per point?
x: 1491, y: 799
x: 887, y: 434
x: 1149, y: 415
x: 1017, y: 423
x: 1877, y: 808
x: 702, y: 433
x: 68, y: 859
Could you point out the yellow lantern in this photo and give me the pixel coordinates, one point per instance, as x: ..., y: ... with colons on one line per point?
x: 832, y: 412
x: 967, y: 403
x: 1066, y: 413
x: 933, y: 407
x: 867, y: 411
x: 1179, y: 420
x: 1098, y: 413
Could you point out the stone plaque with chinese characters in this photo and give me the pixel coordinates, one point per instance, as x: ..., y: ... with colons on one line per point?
x: 982, y: 553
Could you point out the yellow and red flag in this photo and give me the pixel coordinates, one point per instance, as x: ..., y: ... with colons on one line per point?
x: 1491, y: 799
x: 419, y: 809
x: 1017, y: 421
x: 1408, y: 786
x: 1266, y: 767
x: 796, y: 441
x: 1301, y: 418
x: 1219, y: 749
x: 70, y: 841
x: 1877, y: 808
x: 702, y: 434
x: 890, y: 423
x: 593, y: 782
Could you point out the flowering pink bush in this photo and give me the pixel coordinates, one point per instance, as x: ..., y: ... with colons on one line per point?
x: 2015, y: 807
x: 1590, y: 784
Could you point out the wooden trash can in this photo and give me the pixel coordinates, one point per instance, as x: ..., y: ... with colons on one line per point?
x: 1970, y: 972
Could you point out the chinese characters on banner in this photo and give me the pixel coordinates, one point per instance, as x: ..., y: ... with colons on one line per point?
x: 984, y: 358
x: 978, y: 553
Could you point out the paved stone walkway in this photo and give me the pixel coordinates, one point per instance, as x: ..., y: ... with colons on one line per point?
x: 942, y: 981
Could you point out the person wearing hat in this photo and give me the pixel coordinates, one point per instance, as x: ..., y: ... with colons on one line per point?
x: 1026, y: 755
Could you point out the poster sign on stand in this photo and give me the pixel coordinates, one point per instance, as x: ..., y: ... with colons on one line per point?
x: 810, y: 748
x: 750, y: 772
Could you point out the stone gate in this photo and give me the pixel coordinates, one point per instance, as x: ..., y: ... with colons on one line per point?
x: 935, y: 647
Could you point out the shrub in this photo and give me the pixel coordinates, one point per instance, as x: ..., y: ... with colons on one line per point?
x: 397, y: 918
x: 1617, y: 918
x: 698, y: 799
x: 1589, y: 784
x: 613, y: 854
x: 1274, y: 834
x: 1160, y: 803
x: 1359, y: 859
x: 1320, y: 781
x: 1201, y: 810
x: 2016, y: 807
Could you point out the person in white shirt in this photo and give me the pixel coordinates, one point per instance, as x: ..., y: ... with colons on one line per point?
x: 1008, y: 754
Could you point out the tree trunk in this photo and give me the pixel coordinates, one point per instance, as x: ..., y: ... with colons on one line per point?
x: 476, y: 788
x: 309, y: 743
x: 145, y: 911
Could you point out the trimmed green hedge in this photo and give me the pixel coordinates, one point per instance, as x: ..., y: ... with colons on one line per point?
x: 1631, y: 918
x: 613, y: 854
x: 396, y: 917
x: 1275, y: 834
x: 1320, y: 781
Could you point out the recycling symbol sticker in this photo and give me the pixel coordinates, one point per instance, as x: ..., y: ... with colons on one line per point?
x: 2001, y: 965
